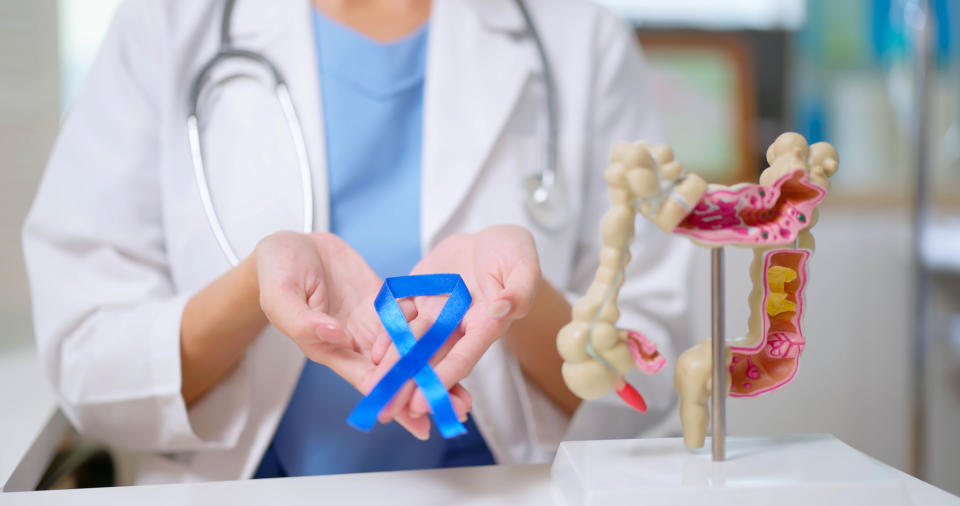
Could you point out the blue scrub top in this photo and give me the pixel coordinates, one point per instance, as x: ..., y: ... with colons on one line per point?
x: 373, y: 117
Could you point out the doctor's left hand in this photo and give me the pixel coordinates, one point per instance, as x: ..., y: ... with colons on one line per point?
x: 320, y: 292
x: 501, y: 268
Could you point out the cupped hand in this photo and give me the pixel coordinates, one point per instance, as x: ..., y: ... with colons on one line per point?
x: 313, y: 288
x: 317, y: 290
x: 502, y: 271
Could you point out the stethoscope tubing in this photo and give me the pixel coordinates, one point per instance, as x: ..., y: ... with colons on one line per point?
x: 549, y: 173
x: 226, y: 51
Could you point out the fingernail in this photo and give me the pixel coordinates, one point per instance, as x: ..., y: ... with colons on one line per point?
x: 499, y: 309
x: 325, y: 329
x: 415, y: 414
x: 463, y: 418
x: 423, y: 436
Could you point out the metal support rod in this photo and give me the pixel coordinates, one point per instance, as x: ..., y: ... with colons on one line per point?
x: 919, y: 139
x: 718, y: 402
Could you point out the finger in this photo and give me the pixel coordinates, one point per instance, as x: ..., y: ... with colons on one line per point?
x: 401, y: 401
x: 389, y: 360
x: 462, y: 401
x: 453, y: 368
x: 427, y: 310
x: 521, y: 286
x: 390, y: 411
x: 398, y: 404
x: 459, y: 407
x: 460, y: 360
x: 382, y: 343
x: 428, y: 306
x: 288, y: 311
x: 380, y: 348
x: 363, y: 325
x: 508, y: 272
x: 497, y: 297
x: 360, y: 373
x: 329, y: 330
x: 398, y: 407
x: 460, y: 398
x: 408, y: 308
x: 346, y: 363
x: 419, y: 427
x: 421, y: 322
x: 510, y: 294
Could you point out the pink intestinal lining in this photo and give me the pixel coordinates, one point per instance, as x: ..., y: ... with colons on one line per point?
x: 644, y: 353
x: 773, y: 362
x: 749, y: 213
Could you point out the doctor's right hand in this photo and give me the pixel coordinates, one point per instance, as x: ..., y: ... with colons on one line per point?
x: 312, y: 288
x: 317, y: 290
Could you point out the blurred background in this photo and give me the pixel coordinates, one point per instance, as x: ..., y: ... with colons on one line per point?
x: 882, y: 368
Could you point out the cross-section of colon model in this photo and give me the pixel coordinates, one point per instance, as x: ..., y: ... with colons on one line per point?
x: 773, y: 218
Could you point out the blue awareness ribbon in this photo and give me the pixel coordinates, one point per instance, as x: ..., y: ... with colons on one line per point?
x: 415, y: 353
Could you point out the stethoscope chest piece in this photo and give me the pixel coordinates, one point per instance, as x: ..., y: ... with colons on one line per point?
x: 546, y: 204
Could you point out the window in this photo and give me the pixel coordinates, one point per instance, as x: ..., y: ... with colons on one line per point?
x: 82, y: 25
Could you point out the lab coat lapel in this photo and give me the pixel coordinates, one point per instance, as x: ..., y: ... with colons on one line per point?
x: 477, y: 67
x: 283, y: 31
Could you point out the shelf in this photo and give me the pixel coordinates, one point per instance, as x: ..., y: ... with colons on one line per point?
x: 712, y: 15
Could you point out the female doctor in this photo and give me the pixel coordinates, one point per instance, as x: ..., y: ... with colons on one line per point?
x: 177, y: 320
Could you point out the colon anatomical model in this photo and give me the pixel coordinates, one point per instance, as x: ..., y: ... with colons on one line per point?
x: 773, y: 218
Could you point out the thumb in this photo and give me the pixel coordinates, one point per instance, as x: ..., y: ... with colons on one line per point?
x: 510, y: 294
x: 499, y: 303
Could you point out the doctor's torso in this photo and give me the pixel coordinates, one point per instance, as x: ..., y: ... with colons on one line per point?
x: 484, y: 131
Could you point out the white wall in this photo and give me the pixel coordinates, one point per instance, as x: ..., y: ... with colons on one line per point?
x: 29, y: 117
x: 942, y: 425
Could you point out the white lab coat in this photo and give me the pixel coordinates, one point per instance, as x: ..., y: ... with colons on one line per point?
x: 117, y: 240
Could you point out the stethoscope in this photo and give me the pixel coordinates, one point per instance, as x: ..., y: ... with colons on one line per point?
x: 545, y: 207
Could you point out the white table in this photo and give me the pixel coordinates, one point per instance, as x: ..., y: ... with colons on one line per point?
x: 467, y: 486
x: 525, y: 485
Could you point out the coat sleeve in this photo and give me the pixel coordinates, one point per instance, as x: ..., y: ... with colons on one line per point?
x: 106, y: 312
x: 654, y: 297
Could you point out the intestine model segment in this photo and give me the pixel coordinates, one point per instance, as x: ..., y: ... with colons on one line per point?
x: 773, y: 218
x: 772, y: 362
x: 596, y: 354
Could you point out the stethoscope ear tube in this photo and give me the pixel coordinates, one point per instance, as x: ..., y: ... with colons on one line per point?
x: 543, y: 203
x: 223, y: 54
x: 548, y: 175
x: 199, y: 173
x: 300, y: 144
x: 303, y: 162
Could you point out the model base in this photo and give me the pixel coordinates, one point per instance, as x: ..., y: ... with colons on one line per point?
x: 781, y: 471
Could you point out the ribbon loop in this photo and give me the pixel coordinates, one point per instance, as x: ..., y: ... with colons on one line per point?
x: 415, y: 354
